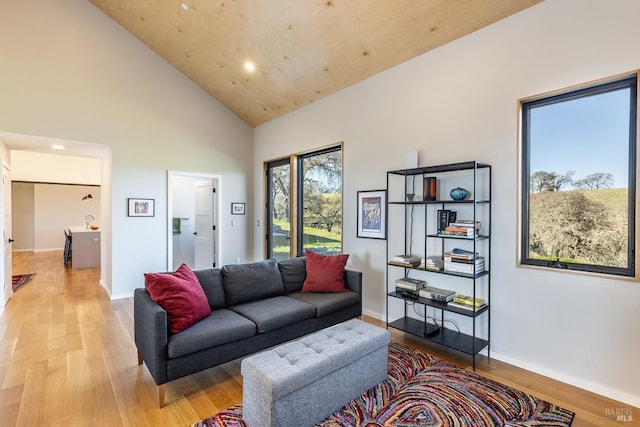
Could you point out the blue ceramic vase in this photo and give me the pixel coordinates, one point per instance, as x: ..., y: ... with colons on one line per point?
x: 459, y: 193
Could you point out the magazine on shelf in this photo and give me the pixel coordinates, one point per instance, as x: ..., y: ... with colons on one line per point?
x: 468, y: 300
x: 466, y: 307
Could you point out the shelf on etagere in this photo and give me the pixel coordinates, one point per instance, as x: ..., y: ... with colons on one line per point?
x: 441, y: 305
x: 449, y: 338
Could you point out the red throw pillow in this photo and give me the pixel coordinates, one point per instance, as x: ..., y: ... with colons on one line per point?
x: 181, y: 295
x: 325, y: 273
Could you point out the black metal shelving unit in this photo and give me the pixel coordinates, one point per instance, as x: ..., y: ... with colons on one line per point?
x: 477, y: 175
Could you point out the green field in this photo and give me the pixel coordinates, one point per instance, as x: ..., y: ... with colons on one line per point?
x: 320, y: 240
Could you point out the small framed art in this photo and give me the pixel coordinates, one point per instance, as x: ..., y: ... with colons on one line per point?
x: 372, y: 221
x: 237, y: 208
x: 141, y: 207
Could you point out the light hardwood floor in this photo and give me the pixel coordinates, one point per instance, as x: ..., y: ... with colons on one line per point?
x: 67, y: 358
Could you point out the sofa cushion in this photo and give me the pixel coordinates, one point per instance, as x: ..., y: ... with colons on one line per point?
x: 325, y: 273
x: 180, y: 295
x: 220, y: 327
x: 251, y: 282
x: 293, y: 272
x: 211, y: 281
x: 325, y: 302
x: 274, y: 313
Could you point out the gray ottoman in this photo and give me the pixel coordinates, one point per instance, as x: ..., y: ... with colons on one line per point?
x: 302, y: 382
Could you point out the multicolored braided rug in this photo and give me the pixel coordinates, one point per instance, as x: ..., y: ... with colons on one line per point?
x: 422, y: 390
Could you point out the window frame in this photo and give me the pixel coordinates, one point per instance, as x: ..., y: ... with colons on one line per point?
x: 300, y: 194
x: 296, y: 199
x: 628, y: 81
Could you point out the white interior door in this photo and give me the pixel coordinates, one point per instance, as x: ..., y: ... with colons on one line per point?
x: 205, y: 225
x: 6, y: 235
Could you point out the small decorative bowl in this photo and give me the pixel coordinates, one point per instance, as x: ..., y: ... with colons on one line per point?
x: 94, y: 227
x: 459, y: 193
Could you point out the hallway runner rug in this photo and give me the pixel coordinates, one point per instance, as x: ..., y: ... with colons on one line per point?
x: 422, y: 390
x: 19, y: 280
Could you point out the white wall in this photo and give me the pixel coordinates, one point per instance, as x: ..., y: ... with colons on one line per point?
x: 459, y: 103
x: 70, y: 72
x: 40, y: 213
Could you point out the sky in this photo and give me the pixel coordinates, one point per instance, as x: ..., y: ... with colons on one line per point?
x: 586, y: 135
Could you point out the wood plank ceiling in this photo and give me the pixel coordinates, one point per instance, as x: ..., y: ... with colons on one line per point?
x: 302, y: 50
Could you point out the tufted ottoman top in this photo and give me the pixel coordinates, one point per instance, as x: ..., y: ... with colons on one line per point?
x: 293, y: 365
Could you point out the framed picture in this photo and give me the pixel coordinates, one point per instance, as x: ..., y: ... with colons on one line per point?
x: 237, y: 208
x: 141, y: 207
x: 372, y: 221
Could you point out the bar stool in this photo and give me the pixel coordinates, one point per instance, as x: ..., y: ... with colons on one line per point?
x: 67, y: 247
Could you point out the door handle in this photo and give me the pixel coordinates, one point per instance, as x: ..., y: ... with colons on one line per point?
x: 11, y: 240
x: 195, y: 234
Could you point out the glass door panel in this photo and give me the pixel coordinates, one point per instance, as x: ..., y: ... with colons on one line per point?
x: 279, y: 210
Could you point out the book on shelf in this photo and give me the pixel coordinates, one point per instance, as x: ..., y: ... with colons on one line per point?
x: 475, y: 261
x: 457, y: 253
x: 466, y: 307
x: 410, y: 283
x: 407, y: 293
x: 437, y: 294
x: 468, y: 300
x: 460, y: 231
x: 433, y: 263
x: 444, y: 217
x: 457, y: 235
x: 405, y: 260
x: 466, y: 223
x: 461, y: 267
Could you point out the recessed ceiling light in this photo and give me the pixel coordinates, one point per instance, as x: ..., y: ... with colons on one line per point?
x: 58, y: 147
x: 249, y: 66
x: 184, y: 6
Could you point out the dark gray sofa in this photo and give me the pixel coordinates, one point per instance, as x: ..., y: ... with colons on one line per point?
x: 253, y: 307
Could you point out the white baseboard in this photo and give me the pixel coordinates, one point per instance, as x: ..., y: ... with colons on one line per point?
x: 373, y: 314
x: 120, y: 296
x: 600, y: 389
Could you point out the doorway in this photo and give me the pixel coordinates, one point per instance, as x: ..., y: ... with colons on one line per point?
x: 7, y: 290
x: 193, y: 212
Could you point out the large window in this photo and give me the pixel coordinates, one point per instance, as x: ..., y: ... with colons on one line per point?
x: 579, y: 179
x: 313, y: 218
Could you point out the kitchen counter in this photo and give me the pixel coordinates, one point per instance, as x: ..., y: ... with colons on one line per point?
x: 85, y: 247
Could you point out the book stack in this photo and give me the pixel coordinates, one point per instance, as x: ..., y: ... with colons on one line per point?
x: 405, y: 260
x: 433, y: 263
x: 462, y: 228
x: 409, y: 287
x: 442, y: 295
x: 464, y: 232
x: 467, y: 302
x: 463, y: 261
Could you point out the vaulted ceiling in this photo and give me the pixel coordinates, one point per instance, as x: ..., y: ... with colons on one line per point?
x: 301, y: 50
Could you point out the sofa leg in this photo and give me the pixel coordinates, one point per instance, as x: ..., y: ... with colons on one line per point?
x: 140, y: 360
x: 161, y: 392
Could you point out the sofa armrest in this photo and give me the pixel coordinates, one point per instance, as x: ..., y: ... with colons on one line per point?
x: 353, y: 280
x: 151, y: 334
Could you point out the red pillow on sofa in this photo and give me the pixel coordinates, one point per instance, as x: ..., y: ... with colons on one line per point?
x: 325, y: 273
x: 181, y: 295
